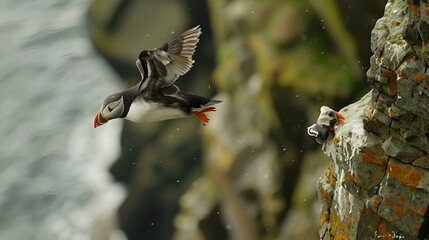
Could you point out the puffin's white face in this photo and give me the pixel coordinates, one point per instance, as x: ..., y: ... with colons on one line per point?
x: 113, y: 107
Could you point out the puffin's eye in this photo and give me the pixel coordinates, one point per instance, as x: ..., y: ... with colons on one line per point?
x: 109, y: 108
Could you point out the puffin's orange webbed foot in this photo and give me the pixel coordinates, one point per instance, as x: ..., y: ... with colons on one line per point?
x: 340, y: 118
x: 202, y: 116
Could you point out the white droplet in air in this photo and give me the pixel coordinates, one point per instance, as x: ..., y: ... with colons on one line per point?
x: 229, y: 226
x: 173, y: 32
x: 178, y: 181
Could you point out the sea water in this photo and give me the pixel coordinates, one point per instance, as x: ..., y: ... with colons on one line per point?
x: 54, y: 179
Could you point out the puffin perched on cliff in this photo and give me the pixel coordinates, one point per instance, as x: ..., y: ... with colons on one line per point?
x: 325, y: 123
x: 156, y: 97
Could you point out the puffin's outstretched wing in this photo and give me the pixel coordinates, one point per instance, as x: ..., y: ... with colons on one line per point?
x: 167, y: 62
x: 176, y: 54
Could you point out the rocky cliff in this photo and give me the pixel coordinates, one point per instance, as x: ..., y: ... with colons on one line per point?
x: 377, y: 184
x: 254, y: 174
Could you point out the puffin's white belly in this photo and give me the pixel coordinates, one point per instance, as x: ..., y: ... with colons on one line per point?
x: 142, y: 111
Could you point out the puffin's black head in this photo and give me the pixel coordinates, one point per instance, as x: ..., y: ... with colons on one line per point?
x: 319, y: 132
x: 143, y: 54
x: 113, y: 107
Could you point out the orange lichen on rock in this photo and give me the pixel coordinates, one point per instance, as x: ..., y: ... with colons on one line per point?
x: 368, y: 157
x: 376, y: 200
x: 361, y: 211
x: 415, y: 228
x: 415, y: 8
x: 335, y: 140
x: 423, y: 210
x: 359, y: 175
x: 398, y: 41
x: 400, y: 73
x: 398, y: 211
x: 427, y: 9
x: 351, y: 177
x: 395, y: 23
x: 391, y: 83
x: 382, y: 229
x: 401, y: 197
x: 376, y: 177
x: 324, y: 196
x: 414, y: 212
x: 407, y: 208
x: 405, y: 174
x: 323, y: 217
x: 418, y: 78
x: 338, y: 230
x: 371, y: 115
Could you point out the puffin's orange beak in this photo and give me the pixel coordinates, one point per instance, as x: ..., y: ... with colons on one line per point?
x: 340, y: 119
x: 99, y: 119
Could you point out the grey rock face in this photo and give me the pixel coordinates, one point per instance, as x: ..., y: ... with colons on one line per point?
x: 377, y: 185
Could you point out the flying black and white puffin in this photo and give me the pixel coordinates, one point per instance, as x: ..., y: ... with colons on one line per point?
x: 325, y: 123
x: 156, y: 97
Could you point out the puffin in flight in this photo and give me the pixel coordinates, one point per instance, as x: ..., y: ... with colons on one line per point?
x: 156, y: 97
x: 325, y: 124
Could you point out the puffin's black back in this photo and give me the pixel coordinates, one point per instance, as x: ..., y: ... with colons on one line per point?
x: 195, y: 101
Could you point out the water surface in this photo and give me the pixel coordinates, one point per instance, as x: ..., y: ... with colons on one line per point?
x: 54, y: 182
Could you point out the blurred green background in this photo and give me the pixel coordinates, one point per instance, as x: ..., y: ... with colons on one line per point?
x: 251, y: 173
